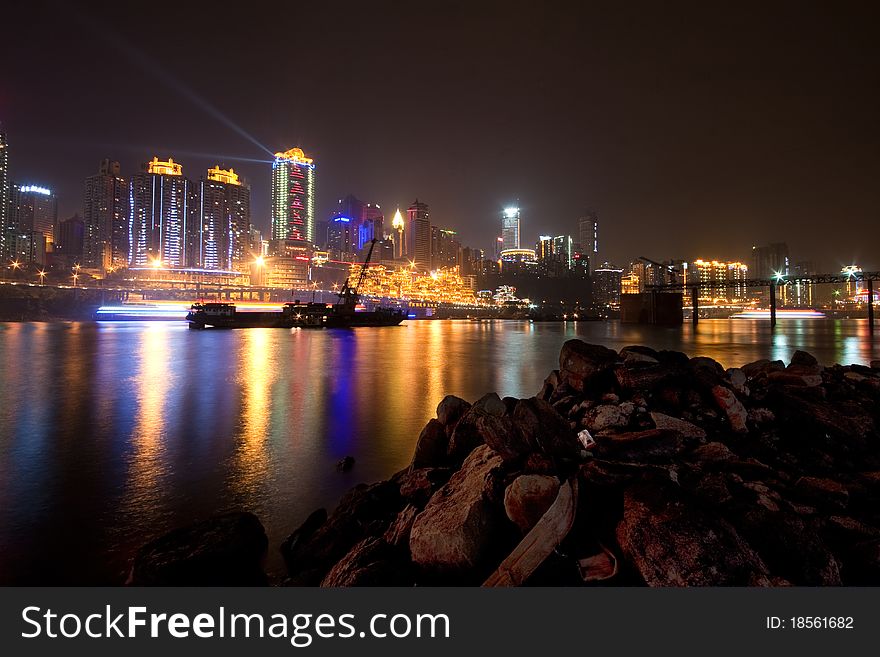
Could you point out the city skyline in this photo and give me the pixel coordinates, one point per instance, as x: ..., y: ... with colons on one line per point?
x: 695, y: 165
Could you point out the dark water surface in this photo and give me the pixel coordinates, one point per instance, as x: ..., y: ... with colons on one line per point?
x: 111, y: 434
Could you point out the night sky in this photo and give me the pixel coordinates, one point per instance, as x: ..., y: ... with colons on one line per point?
x: 694, y: 130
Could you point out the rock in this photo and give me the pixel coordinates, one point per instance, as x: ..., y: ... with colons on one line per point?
x: 372, y: 562
x: 759, y: 416
x: 490, y: 404
x: 226, y: 550
x: 304, y: 532
x: 451, y: 409
x: 645, y: 378
x: 551, y: 383
x: 528, y: 498
x: 503, y: 436
x: 685, y: 428
x: 790, y: 547
x: 417, y: 486
x: 737, y: 379
x: 864, y: 564
x: 849, y: 424
x: 711, y: 454
x: 345, y: 464
x: 364, y: 511
x: 824, y: 493
x: 649, y: 445
x: 399, y: 530
x: 762, y: 366
x: 707, y: 371
x: 732, y: 408
x: 454, y: 533
x: 638, y: 356
x: 875, y: 364
x: 789, y: 378
x: 431, y: 446
x: 671, y: 543
x: 544, y: 430
x: 537, y: 463
x: 606, y: 416
x: 582, y: 364
x: 804, y: 359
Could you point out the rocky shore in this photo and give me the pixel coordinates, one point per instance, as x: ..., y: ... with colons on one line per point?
x: 632, y: 468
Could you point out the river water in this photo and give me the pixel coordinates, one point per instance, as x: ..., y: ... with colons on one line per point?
x: 112, y: 433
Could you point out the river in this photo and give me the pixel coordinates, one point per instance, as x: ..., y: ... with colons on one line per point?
x: 112, y: 433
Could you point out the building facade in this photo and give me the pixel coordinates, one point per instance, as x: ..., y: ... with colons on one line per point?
x: 607, y: 286
x: 163, y: 222
x: 293, y: 196
x: 418, y: 235
x: 5, y: 215
x: 510, y: 228
x: 33, y: 213
x: 588, y: 236
x: 106, y: 219
x: 224, y: 221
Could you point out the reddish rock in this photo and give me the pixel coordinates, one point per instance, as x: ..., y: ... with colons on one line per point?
x: 454, y: 534
x: 544, y: 430
x: 711, y: 454
x: 822, y: 492
x: 649, y: 445
x: 451, y: 409
x: 372, y: 562
x: 732, y: 408
x: 528, y: 498
x: 399, y: 530
x: 794, y: 378
x: 606, y: 416
x: 685, y: 428
x: 431, y: 446
x: 672, y: 543
x: 581, y: 364
x: 417, y: 486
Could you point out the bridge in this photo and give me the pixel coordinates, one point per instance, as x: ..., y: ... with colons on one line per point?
x: 773, y: 284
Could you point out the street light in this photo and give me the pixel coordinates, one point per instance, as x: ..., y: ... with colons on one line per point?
x: 42, y: 275
x: 75, y: 277
x: 16, y: 264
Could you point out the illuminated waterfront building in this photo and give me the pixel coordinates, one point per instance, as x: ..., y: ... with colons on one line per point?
x: 5, y: 219
x: 69, y: 240
x: 34, y: 212
x: 163, y: 222
x: 288, y: 264
x: 630, y: 284
x: 554, y: 255
x: 588, y: 236
x: 607, y: 286
x: 418, y: 235
x: 342, y: 237
x: 398, y: 235
x: 510, y: 228
x: 372, y: 225
x: 770, y: 260
x: 405, y: 283
x: 293, y: 196
x: 853, y: 287
x: 721, y: 281
x: 106, y: 219
x: 224, y: 220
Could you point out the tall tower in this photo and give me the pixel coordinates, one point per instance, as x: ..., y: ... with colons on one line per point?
x: 5, y: 217
x: 224, y: 220
x: 293, y: 196
x: 510, y: 228
x: 163, y: 228
x: 106, y: 218
x: 588, y: 235
x: 418, y: 235
x: 397, y: 234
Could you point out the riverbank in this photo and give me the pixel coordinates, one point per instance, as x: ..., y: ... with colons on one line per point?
x: 627, y: 468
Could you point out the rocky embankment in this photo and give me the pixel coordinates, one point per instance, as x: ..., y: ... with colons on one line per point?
x: 630, y: 468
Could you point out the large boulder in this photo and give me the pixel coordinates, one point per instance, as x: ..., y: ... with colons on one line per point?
x: 732, y: 408
x: 607, y: 416
x: 431, y: 446
x: 372, y: 562
x: 528, y: 498
x: 451, y: 409
x: 467, y: 434
x: 581, y: 364
x: 647, y: 445
x: 685, y: 428
x: 454, y: 533
x: 226, y: 550
x: 545, y: 430
x: 674, y: 543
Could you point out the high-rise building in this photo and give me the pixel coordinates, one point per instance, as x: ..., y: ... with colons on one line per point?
x: 510, y: 228
x: 770, y: 260
x: 372, y: 224
x: 224, y: 221
x: 106, y: 219
x: 607, y: 286
x: 554, y: 255
x: 418, y: 235
x: 5, y: 215
x: 163, y: 222
x: 721, y: 281
x: 445, y: 248
x: 34, y: 211
x: 293, y: 196
x: 588, y: 235
x: 342, y: 236
x: 69, y: 240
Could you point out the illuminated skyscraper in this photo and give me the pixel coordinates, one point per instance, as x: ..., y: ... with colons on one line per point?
x: 163, y: 223
x: 293, y: 196
x: 588, y: 235
x: 554, y: 255
x: 510, y: 228
x: 224, y: 221
x: 34, y: 211
x: 445, y: 248
x: 607, y: 283
x: 106, y: 218
x: 418, y: 235
x: 5, y: 218
x: 397, y: 234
